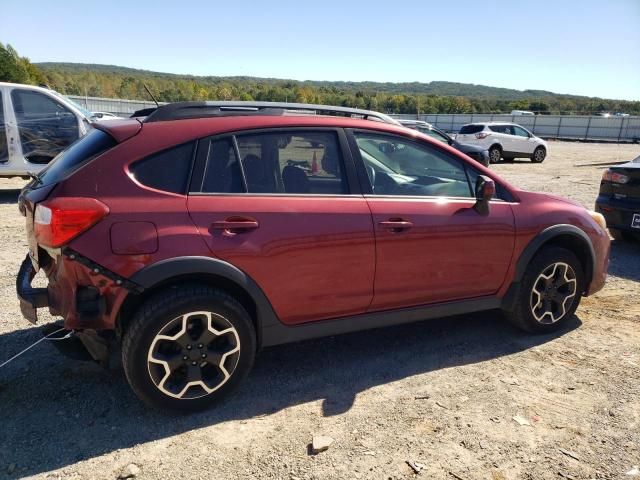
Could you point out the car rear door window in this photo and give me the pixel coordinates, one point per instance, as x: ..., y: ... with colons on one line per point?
x: 399, y: 166
x: 46, y: 127
x: 293, y: 162
x: 222, y: 172
x: 167, y: 170
x: 520, y: 132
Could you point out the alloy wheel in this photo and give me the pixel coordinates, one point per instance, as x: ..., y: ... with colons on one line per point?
x: 553, y: 293
x: 193, y: 355
x: 494, y: 155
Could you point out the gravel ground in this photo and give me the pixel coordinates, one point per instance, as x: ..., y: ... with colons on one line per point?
x: 442, y: 393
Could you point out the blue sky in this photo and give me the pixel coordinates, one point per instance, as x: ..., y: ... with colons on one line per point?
x: 567, y: 46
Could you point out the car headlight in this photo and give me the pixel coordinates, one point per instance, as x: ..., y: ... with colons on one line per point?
x: 598, y: 218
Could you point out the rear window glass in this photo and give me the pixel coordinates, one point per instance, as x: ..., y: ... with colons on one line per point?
x: 167, y: 170
x: 467, y: 129
x: 77, y: 154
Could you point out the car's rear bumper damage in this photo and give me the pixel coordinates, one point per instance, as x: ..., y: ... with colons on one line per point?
x: 85, y: 294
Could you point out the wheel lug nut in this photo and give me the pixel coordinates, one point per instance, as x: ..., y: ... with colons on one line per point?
x: 199, y: 345
x: 204, y: 355
x: 193, y: 363
x: 188, y: 347
x: 185, y: 358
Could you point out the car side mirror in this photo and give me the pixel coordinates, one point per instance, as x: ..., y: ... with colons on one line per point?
x: 485, y: 190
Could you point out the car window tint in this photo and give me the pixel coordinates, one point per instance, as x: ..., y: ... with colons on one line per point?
x: 469, y: 129
x: 521, y: 132
x: 46, y: 127
x: 293, y: 162
x: 167, y: 170
x: 222, y: 172
x: 499, y: 128
x: 399, y: 166
x: 4, y: 148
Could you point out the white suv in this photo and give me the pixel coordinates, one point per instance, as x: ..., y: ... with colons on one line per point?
x: 504, y: 140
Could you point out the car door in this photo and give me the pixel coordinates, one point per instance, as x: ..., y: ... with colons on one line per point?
x: 45, y: 126
x: 523, y: 140
x: 431, y: 244
x: 290, y: 215
x: 502, y: 133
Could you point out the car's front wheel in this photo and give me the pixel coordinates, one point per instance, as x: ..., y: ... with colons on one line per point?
x: 550, y: 291
x: 188, y: 347
x: 539, y: 154
x: 495, y: 154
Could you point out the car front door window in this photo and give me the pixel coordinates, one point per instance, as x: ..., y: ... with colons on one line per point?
x: 398, y: 166
x: 46, y: 127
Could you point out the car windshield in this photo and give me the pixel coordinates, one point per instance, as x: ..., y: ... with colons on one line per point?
x: 433, y: 134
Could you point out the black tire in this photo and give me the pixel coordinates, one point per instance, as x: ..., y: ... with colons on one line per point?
x: 180, y: 304
x: 523, y: 315
x: 539, y: 154
x: 495, y: 152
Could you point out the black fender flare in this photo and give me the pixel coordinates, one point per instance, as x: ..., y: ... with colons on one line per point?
x: 549, y: 233
x: 165, y: 270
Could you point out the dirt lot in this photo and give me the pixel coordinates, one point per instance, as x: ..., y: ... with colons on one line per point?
x: 441, y: 393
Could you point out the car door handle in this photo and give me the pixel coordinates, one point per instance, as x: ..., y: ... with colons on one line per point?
x: 396, y: 225
x: 236, y: 225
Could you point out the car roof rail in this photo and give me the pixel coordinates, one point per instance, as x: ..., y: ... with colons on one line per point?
x: 188, y: 110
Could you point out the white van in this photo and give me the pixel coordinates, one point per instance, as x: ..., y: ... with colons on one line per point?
x: 35, y: 125
x: 521, y: 112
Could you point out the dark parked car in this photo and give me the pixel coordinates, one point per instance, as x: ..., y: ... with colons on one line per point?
x: 479, y: 154
x: 206, y: 231
x: 619, y: 199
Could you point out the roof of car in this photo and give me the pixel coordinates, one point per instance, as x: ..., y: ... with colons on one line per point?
x: 189, y: 110
x: 194, y: 128
x: 491, y: 123
x: 24, y: 85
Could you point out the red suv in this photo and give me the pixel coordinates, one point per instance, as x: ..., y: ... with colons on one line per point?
x: 206, y: 231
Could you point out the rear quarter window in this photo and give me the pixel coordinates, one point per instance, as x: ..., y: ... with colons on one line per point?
x: 76, y: 155
x: 167, y: 170
x: 469, y: 129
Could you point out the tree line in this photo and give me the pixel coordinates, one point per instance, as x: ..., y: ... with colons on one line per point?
x: 119, y: 82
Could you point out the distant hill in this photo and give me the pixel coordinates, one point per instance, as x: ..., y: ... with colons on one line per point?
x: 406, y: 97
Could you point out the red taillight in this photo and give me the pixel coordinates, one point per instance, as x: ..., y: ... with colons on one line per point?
x: 614, y: 177
x: 58, y: 221
x: 481, y: 135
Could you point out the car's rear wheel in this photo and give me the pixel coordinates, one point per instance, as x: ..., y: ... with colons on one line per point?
x: 539, y: 154
x: 188, y: 347
x: 495, y: 153
x: 550, y: 291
